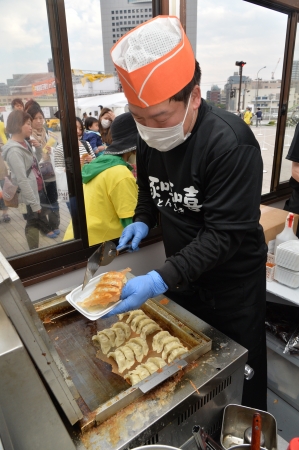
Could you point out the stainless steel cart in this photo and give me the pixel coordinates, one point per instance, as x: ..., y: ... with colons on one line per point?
x: 55, y: 393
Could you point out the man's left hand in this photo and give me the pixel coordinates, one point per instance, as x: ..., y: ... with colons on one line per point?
x: 138, y: 290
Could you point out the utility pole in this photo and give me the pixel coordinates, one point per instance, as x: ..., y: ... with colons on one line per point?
x: 240, y: 64
x: 245, y: 87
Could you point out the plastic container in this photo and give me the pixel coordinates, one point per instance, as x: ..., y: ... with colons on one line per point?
x: 287, y: 233
x: 270, y: 267
x: 286, y: 276
x: 77, y: 295
x: 287, y: 255
x: 270, y: 258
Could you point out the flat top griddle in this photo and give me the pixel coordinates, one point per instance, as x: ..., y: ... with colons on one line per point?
x: 93, y: 378
x: 71, y: 334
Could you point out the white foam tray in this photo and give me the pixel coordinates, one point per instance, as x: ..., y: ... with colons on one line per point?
x: 286, y: 276
x: 77, y: 295
x: 287, y: 255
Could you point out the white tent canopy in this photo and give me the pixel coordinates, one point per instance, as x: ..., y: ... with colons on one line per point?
x: 116, y: 102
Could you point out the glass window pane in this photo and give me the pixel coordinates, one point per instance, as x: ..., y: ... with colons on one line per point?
x: 293, y: 115
x: 96, y: 86
x: 27, y: 74
x: 230, y: 31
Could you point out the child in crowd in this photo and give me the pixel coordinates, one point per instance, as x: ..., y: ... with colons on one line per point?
x: 92, y: 135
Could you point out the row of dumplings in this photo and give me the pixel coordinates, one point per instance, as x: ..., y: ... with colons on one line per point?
x: 140, y: 322
x: 126, y: 354
x: 120, y: 331
x: 145, y: 370
x: 112, y: 337
x: 170, y: 346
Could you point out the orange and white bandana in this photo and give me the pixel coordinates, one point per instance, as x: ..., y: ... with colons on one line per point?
x: 154, y: 61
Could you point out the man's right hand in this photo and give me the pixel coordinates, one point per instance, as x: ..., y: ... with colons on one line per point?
x: 134, y: 232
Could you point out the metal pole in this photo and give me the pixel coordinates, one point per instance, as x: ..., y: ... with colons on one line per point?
x: 240, y: 84
x: 245, y: 86
x: 257, y: 93
x: 183, y: 14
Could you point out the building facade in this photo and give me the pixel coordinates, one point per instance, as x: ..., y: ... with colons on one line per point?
x: 120, y: 16
x: 214, y: 95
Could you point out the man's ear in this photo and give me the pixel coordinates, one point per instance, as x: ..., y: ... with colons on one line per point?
x: 196, y: 97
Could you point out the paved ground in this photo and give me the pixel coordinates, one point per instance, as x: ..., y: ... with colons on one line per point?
x: 12, y: 236
x: 266, y: 138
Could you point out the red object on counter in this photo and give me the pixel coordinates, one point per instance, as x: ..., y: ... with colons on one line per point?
x: 294, y: 444
x: 256, y: 432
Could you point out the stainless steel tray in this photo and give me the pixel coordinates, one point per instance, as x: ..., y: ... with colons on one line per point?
x: 236, y: 419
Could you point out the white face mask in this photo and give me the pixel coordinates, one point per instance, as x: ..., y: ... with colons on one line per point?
x: 164, y: 139
x: 132, y: 159
x: 105, y: 123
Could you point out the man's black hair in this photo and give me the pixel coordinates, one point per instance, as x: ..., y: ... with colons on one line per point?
x: 184, y: 94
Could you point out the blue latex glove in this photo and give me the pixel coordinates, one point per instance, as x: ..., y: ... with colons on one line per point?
x: 138, y: 290
x: 135, y: 232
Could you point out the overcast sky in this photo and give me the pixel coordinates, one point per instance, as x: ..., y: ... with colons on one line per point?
x: 228, y: 30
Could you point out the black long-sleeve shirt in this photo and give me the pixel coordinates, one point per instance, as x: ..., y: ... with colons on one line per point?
x: 208, y: 191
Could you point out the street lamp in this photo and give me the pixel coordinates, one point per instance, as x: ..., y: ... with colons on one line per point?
x: 240, y: 64
x: 257, y: 92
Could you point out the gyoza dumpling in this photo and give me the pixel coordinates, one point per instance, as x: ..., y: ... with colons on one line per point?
x: 158, y: 361
x: 134, y: 313
x: 103, y: 341
x: 133, y: 378
x: 129, y: 355
x: 150, y: 366
x: 126, y: 328
x: 168, y: 339
x: 120, y: 336
x: 141, y: 371
x: 136, y: 321
x: 149, y: 329
x: 176, y: 352
x: 137, y: 349
x: 119, y: 358
x: 143, y: 322
x: 169, y: 347
x: 157, y: 345
x: 142, y: 342
x: 111, y: 335
x: 122, y: 315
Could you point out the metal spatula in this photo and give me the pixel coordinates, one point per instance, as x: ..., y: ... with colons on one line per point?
x: 103, y: 256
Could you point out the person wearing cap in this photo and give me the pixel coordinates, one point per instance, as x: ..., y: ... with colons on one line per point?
x: 200, y: 167
x: 110, y: 190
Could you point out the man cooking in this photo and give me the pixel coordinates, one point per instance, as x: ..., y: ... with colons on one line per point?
x: 201, y: 168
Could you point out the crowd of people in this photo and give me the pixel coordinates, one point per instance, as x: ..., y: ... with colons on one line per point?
x: 34, y: 163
